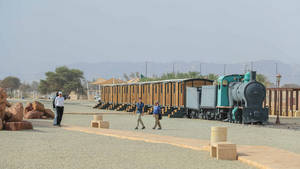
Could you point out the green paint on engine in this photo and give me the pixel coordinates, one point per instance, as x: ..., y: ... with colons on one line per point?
x: 247, y: 77
x: 234, y: 113
x: 223, y: 83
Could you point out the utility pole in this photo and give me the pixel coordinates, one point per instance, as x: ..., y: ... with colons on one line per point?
x: 251, y: 66
x: 278, y: 76
x: 224, y: 69
x: 200, y: 68
x: 88, y: 92
x: 174, y: 68
x: 246, y: 68
x: 146, y: 69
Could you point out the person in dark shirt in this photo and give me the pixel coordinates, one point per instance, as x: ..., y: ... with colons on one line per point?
x: 139, y: 112
x: 157, y: 114
x: 55, y: 112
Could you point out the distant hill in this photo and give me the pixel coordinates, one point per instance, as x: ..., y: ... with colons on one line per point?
x: 290, y: 73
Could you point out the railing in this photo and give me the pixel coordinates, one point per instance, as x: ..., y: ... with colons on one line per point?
x: 284, y: 101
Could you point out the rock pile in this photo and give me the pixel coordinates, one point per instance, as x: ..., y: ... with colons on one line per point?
x: 11, y: 116
x: 36, y: 110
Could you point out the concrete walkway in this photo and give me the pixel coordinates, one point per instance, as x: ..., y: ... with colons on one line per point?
x: 258, y: 156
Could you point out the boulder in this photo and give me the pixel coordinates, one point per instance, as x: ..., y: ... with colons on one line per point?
x: 2, y: 113
x: 44, y: 117
x: 33, y: 115
x: 3, y: 103
x: 15, y: 112
x: 28, y: 108
x: 22, y: 125
x: 1, y: 124
x: 38, y: 106
x: 49, y: 113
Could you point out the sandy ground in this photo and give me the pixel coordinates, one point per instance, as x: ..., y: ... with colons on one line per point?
x: 55, y: 148
x: 52, y: 147
x: 200, y: 129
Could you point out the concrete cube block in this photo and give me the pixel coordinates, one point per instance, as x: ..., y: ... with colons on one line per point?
x: 226, y: 151
x: 213, y: 151
x: 104, y: 124
x: 218, y: 134
x: 98, y: 117
x: 99, y: 124
x: 223, y: 151
x: 95, y: 124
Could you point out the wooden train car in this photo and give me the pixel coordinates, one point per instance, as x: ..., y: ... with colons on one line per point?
x: 169, y: 93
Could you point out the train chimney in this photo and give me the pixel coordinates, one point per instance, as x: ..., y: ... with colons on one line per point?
x: 253, y: 76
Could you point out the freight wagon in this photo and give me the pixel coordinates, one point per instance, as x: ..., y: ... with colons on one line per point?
x: 171, y: 95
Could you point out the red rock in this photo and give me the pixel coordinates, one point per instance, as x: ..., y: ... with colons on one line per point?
x: 38, y: 106
x: 28, y: 108
x: 3, y: 103
x: 44, y: 117
x: 33, y: 115
x: 49, y: 113
x: 1, y: 124
x: 23, y: 125
x: 15, y: 112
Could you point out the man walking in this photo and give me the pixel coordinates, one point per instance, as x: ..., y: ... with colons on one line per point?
x: 59, y: 105
x: 139, y: 112
x: 157, y: 115
x: 54, y: 109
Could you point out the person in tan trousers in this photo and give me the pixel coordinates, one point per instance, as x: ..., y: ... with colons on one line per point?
x: 157, y: 116
x: 139, y: 112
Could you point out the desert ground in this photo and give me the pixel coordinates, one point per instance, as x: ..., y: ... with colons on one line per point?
x: 47, y: 146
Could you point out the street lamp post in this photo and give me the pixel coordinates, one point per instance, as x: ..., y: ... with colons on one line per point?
x: 278, y: 77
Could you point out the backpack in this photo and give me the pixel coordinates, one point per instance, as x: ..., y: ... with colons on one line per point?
x: 159, y: 114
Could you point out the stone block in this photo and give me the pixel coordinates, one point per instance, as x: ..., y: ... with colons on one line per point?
x: 213, y: 151
x: 23, y: 125
x: 95, y: 124
x: 99, y: 124
x: 223, y: 151
x: 104, y: 124
x: 98, y: 117
x: 218, y: 134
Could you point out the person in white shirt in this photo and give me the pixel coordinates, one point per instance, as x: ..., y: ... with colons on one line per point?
x: 59, y: 105
x: 54, y: 109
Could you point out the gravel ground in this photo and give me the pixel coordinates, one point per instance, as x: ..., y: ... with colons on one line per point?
x: 195, y: 128
x: 117, y: 153
x: 54, y: 148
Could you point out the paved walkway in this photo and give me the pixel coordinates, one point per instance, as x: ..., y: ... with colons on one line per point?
x: 258, y: 156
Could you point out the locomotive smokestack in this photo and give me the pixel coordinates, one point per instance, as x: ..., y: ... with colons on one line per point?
x: 253, y: 76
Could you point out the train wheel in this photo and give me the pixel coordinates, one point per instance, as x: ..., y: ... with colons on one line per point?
x: 193, y: 115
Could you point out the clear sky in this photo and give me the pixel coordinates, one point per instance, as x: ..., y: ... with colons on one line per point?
x: 43, y: 32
